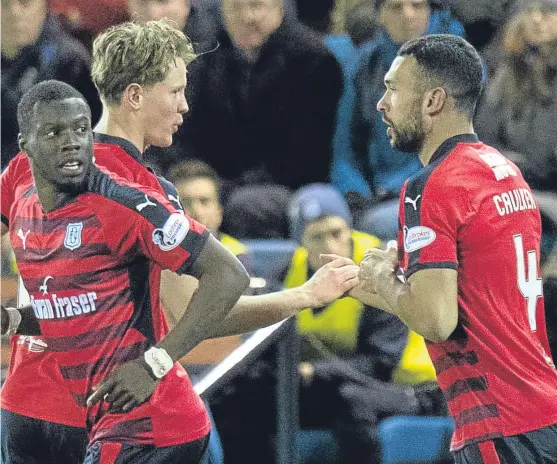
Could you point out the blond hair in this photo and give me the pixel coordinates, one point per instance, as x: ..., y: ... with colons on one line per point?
x: 136, y: 53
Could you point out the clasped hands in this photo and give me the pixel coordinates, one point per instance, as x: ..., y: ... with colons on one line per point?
x: 377, y: 266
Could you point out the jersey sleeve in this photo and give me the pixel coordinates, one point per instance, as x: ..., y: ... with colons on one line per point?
x: 6, y: 196
x: 142, y: 221
x: 432, y: 216
x: 7, y: 189
x: 171, y: 193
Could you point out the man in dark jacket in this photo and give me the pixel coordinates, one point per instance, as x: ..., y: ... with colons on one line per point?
x: 35, y: 48
x: 265, y: 100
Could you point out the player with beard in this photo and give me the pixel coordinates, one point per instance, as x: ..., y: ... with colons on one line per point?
x: 466, y: 275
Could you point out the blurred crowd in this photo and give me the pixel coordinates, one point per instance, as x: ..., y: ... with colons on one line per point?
x: 283, y: 141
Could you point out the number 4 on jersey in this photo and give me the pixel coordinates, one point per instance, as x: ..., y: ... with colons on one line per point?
x: 531, y: 287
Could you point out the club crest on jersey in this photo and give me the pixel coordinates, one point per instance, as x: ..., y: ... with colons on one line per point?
x: 73, y: 235
x: 417, y: 237
x: 172, y: 233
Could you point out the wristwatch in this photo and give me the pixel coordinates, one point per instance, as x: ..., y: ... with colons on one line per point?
x: 159, y: 361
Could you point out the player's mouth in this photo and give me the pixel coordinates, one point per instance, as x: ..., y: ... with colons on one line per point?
x: 389, y: 127
x: 176, y: 126
x: 71, y: 168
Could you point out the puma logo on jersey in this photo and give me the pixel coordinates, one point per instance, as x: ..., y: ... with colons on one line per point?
x: 141, y: 206
x: 23, y: 237
x: 174, y: 199
x: 44, y: 288
x: 414, y: 202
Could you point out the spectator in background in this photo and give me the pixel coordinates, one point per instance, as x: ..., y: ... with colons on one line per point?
x: 366, y: 163
x: 199, y: 187
x: 483, y: 21
x: 351, y: 353
x: 257, y: 211
x: 316, y: 15
x: 311, y: 13
x: 196, y: 18
x: 264, y: 101
x: 34, y: 49
x: 85, y: 19
x: 520, y: 102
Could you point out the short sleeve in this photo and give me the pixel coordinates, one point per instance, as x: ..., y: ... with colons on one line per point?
x: 173, y: 240
x: 141, y: 221
x: 6, y: 197
x: 17, y: 181
x: 432, y: 217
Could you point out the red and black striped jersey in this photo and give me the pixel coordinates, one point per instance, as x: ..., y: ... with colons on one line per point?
x: 34, y: 386
x: 33, y: 372
x: 86, y: 267
x: 471, y: 210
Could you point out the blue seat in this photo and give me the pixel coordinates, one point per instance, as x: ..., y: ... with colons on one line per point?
x: 409, y: 439
x: 317, y: 446
x: 269, y: 258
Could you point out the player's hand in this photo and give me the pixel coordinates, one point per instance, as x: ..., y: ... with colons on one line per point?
x: 331, y: 281
x: 378, y: 265
x: 126, y: 388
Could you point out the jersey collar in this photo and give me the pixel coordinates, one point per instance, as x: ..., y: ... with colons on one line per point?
x: 126, y: 145
x: 448, y: 145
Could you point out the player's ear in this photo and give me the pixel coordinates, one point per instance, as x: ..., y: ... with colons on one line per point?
x: 22, y: 142
x: 434, y: 101
x: 133, y: 96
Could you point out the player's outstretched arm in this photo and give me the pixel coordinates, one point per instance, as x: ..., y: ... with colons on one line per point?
x: 426, y: 302
x: 24, y: 324
x: 253, y: 312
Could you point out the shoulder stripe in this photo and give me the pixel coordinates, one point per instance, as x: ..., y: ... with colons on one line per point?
x: 131, y: 197
x: 160, y: 216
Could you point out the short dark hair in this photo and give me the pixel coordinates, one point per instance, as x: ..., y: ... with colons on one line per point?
x: 194, y: 169
x: 451, y: 62
x: 43, y: 92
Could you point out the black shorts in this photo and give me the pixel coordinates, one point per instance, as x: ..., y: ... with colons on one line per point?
x: 532, y: 447
x: 117, y: 453
x: 26, y: 440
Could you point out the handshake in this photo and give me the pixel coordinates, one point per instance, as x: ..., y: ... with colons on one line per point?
x: 339, y: 276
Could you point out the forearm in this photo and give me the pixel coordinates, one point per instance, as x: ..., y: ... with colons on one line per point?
x: 370, y: 299
x: 414, y: 308
x: 257, y: 311
x: 209, y: 305
x: 29, y: 324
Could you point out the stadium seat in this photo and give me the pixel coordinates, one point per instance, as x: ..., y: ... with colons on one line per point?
x: 317, y: 446
x: 269, y: 258
x: 408, y: 439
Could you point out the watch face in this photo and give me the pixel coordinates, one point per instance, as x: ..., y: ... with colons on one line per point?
x: 159, y: 361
